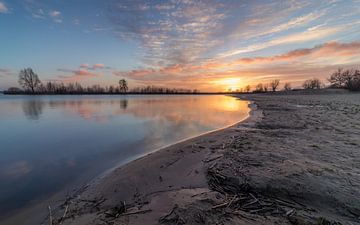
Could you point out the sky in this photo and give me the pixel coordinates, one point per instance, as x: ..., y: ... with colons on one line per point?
x: 209, y: 45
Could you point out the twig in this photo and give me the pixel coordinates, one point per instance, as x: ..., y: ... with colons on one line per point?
x: 220, y: 205
x: 250, y: 203
x: 50, y: 216
x: 63, y: 217
x: 231, y: 201
x: 253, y: 197
x: 212, y: 159
x: 136, y: 212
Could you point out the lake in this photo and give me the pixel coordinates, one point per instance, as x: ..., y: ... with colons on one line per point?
x: 50, y: 144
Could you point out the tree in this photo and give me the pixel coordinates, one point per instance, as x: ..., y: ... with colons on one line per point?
x: 312, y: 84
x: 247, y: 88
x: 337, y: 79
x: 274, y: 84
x: 13, y: 90
x: 348, y: 79
x: 123, y: 87
x: 287, y: 86
x: 259, y: 88
x: 29, y: 80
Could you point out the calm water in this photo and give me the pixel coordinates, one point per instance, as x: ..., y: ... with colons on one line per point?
x: 48, y: 143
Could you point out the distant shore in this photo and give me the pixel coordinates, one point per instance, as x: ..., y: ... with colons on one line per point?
x: 295, y: 160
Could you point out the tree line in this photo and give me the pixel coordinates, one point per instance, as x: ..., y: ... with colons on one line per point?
x: 345, y: 79
x: 31, y: 84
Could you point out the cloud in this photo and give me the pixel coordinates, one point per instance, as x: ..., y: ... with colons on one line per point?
x: 98, y: 66
x: 76, y: 22
x: 3, y: 8
x: 76, y: 75
x: 330, y: 49
x: 299, y: 21
x: 308, y: 35
x: 39, y: 14
x: 42, y: 10
x: 189, y: 40
x: 84, y: 65
x: 189, y: 32
x: 180, y: 33
x: 56, y: 16
x: 85, y: 71
x: 320, y: 60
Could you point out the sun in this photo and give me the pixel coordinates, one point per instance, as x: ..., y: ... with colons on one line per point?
x: 230, y: 83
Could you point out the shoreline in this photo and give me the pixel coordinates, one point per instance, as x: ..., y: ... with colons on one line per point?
x: 136, y: 157
x: 38, y: 208
x: 196, y: 185
x: 283, y: 164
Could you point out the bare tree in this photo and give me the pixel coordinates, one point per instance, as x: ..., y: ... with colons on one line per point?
x: 274, y: 84
x: 29, y: 80
x: 337, y: 79
x: 123, y: 87
x: 348, y: 79
x: 287, y: 86
x: 259, y: 88
x: 312, y: 84
x: 247, y: 88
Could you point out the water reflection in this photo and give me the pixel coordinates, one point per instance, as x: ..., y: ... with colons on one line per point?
x: 33, y: 109
x: 123, y: 104
x: 78, y: 137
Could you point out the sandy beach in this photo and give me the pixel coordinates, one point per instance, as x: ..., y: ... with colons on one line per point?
x: 295, y: 160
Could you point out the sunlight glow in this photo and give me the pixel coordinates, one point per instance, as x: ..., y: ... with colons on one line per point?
x: 230, y: 83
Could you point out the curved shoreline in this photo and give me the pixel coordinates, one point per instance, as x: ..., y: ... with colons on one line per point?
x: 252, y: 107
x: 100, y: 178
x: 156, y: 181
x: 267, y: 169
x: 284, y: 164
x: 155, y: 176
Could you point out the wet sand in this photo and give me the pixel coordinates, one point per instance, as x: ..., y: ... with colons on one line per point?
x: 295, y: 160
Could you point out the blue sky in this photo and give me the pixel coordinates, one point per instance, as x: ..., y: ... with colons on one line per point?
x: 204, y: 44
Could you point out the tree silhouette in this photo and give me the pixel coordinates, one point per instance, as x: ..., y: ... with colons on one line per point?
x: 287, y: 86
x: 259, y: 88
x: 348, y: 79
x: 29, y: 80
x: 274, y: 84
x: 123, y: 87
x: 312, y: 84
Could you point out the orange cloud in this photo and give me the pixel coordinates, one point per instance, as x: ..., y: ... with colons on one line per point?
x: 211, y: 74
x: 84, y: 65
x: 98, y: 66
x: 325, y: 50
x: 76, y: 74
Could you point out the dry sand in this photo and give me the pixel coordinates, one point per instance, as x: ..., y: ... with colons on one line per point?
x: 295, y: 160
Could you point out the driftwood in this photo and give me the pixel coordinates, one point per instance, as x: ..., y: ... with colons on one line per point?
x: 50, y: 216
x: 136, y: 212
x: 64, y: 215
x: 242, y: 197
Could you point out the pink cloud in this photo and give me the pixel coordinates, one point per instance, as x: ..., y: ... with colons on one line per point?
x: 98, y: 66
x: 325, y: 50
x: 84, y: 65
x: 77, y: 74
